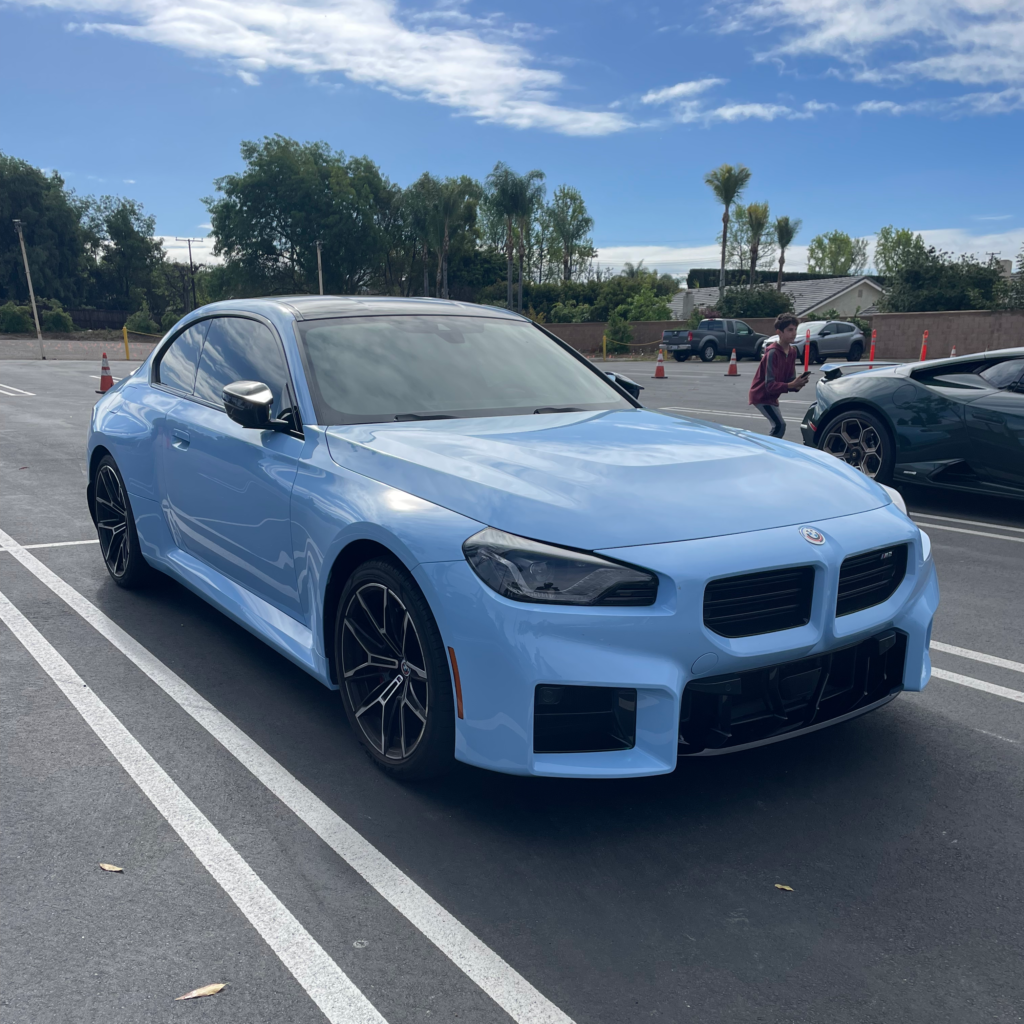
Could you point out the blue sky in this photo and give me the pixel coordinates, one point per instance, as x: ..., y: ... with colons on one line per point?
x: 851, y: 114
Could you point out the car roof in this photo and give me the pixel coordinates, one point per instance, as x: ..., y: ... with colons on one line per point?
x: 322, y: 307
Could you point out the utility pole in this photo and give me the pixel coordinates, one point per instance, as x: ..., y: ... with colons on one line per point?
x: 191, y: 265
x: 31, y: 290
x: 319, y: 267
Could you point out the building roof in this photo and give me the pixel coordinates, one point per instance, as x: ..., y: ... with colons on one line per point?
x: 806, y: 295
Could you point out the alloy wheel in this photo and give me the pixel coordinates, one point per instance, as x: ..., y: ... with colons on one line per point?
x: 383, y: 668
x: 857, y: 443
x: 112, y: 520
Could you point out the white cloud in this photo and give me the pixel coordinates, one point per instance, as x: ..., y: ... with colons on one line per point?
x: 129, y: 181
x: 973, y: 42
x: 476, y: 70
x: 177, y: 252
x: 681, y: 90
x: 957, y: 106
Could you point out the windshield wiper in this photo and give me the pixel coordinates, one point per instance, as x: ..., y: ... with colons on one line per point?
x: 556, y: 408
x: 423, y: 416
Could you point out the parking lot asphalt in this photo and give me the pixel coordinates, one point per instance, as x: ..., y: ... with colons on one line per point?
x: 479, y: 897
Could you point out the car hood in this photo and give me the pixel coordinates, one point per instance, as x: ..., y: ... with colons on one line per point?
x: 608, y: 479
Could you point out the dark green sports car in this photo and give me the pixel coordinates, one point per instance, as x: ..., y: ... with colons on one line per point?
x: 955, y: 423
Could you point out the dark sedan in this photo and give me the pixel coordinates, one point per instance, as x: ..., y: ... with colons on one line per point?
x: 956, y: 423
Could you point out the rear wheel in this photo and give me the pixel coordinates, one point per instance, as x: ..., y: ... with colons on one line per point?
x: 115, y: 527
x: 680, y: 357
x: 861, y: 440
x: 708, y: 352
x: 856, y: 351
x: 393, y: 673
x: 815, y: 358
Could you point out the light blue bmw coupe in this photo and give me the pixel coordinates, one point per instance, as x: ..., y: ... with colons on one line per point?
x: 492, y: 550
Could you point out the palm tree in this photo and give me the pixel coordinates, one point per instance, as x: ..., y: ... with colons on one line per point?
x: 758, y: 218
x: 785, y: 231
x: 452, y: 207
x: 631, y: 271
x: 529, y: 195
x: 728, y: 183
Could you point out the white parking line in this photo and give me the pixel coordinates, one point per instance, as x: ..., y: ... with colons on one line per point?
x: 12, y: 392
x: 979, y: 684
x: 974, y: 533
x: 509, y: 989
x: 53, y: 544
x: 324, y: 981
x: 989, y: 659
x: 969, y: 522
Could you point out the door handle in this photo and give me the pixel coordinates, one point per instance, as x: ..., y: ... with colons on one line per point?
x: 181, y: 440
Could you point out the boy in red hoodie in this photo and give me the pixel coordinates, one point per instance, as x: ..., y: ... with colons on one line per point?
x: 775, y: 374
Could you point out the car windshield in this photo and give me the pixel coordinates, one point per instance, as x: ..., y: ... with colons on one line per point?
x: 371, y: 369
x: 812, y: 325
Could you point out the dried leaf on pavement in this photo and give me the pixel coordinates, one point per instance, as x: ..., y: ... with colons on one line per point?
x: 111, y: 867
x: 206, y: 990
x: 787, y: 888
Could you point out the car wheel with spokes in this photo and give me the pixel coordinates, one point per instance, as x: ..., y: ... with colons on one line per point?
x: 856, y: 351
x: 708, y: 352
x: 115, y: 527
x: 861, y: 440
x: 393, y: 673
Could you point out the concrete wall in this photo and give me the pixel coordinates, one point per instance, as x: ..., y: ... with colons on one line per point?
x: 971, y: 330
x: 25, y: 346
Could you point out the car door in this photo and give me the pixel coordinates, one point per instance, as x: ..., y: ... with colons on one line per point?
x: 827, y: 340
x: 744, y: 339
x: 995, y: 426
x: 227, y: 489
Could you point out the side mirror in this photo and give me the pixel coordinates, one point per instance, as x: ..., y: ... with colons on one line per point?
x: 629, y: 386
x: 248, y: 403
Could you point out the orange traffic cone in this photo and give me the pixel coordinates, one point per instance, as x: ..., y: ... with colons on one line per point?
x: 733, y: 370
x: 952, y: 352
x: 659, y: 370
x: 106, y: 380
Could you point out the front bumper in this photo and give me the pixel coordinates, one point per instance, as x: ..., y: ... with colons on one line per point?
x: 809, y: 426
x: 507, y: 649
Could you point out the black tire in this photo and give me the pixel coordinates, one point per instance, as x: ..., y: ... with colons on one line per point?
x: 861, y: 440
x: 856, y: 351
x: 708, y: 352
x: 680, y: 357
x: 815, y: 358
x: 115, y: 527
x: 393, y: 673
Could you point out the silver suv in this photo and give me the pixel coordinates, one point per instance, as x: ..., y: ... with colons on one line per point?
x: 827, y: 338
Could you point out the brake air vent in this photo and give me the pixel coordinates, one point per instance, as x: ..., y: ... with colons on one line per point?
x: 871, y: 578
x: 760, y: 602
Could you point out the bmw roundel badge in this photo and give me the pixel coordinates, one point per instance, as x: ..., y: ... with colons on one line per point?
x: 811, y: 535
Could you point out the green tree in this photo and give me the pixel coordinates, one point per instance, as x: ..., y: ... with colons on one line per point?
x: 837, y: 254
x: 895, y: 248
x: 569, y: 312
x: 727, y: 183
x: 786, y: 230
x: 1011, y: 292
x: 758, y: 218
x: 934, y: 280
x: 270, y: 216
x: 571, y: 225
x: 618, y: 333
x: 530, y: 199
x: 503, y: 201
x: 645, y: 305
x: 125, y: 275
x: 59, y: 239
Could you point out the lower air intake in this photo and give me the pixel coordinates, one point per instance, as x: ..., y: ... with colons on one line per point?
x: 750, y: 707
x: 580, y: 719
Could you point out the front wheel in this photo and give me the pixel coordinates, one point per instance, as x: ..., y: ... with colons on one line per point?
x: 708, y: 352
x: 393, y: 673
x: 861, y: 440
x: 115, y: 527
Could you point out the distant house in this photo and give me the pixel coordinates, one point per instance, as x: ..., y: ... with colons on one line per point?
x: 846, y: 295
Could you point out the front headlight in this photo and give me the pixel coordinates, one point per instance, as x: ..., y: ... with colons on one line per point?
x: 527, y: 570
x: 897, y: 498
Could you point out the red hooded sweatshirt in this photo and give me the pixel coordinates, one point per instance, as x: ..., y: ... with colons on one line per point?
x: 773, y: 375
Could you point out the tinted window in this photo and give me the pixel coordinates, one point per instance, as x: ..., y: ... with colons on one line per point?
x: 370, y: 369
x: 1002, y: 375
x: 178, y: 364
x: 842, y: 328
x: 742, y: 328
x: 239, y: 349
x: 712, y: 325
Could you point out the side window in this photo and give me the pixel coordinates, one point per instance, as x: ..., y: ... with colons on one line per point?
x: 742, y: 328
x: 238, y: 349
x: 177, y: 368
x: 843, y: 328
x: 1003, y: 374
